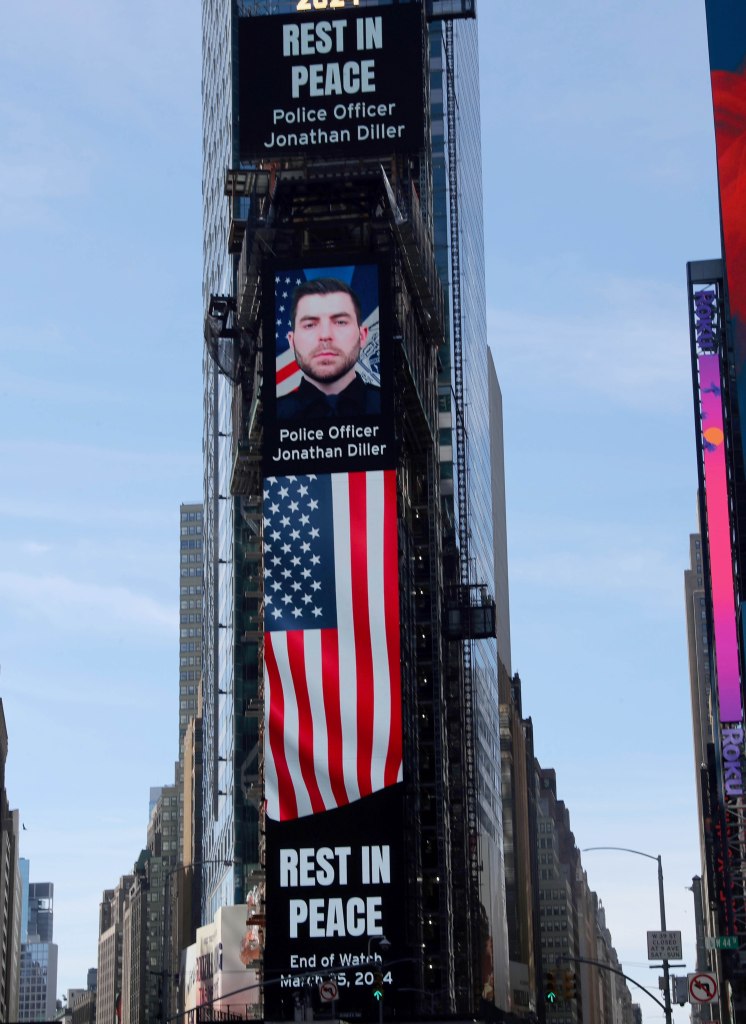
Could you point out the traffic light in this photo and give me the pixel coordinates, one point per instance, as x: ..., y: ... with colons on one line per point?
x: 570, y: 985
x: 377, y: 987
x: 550, y: 987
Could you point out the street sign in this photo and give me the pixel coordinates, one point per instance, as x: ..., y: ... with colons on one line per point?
x: 703, y: 988
x: 721, y: 942
x: 328, y: 991
x: 664, y: 945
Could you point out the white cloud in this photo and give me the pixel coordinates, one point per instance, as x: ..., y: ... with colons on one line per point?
x: 74, y: 605
x: 33, y: 547
x: 629, y: 345
x: 628, y: 571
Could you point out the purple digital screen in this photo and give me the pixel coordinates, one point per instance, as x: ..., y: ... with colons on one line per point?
x: 719, y: 540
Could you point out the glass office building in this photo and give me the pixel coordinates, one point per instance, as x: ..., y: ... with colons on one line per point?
x: 38, y: 976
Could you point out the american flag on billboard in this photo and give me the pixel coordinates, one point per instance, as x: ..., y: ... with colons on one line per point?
x: 364, y: 280
x: 333, y: 729
x: 288, y: 375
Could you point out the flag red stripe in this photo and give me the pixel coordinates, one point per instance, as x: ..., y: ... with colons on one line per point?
x: 361, y: 626
x: 391, y: 612
x: 297, y: 662
x: 283, y: 372
x: 276, y: 729
x: 330, y: 683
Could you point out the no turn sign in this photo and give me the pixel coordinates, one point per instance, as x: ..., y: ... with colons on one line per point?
x: 328, y: 991
x: 703, y: 988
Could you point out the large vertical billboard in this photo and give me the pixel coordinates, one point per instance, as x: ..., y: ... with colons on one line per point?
x: 726, y: 29
x: 344, y: 83
x: 723, y: 826
x: 332, y: 680
x: 719, y: 539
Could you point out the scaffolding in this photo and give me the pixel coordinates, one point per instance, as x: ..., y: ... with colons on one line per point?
x: 307, y: 206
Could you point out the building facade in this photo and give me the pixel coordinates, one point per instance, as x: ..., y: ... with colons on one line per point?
x: 717, y: 311
x: 38, y: 975
x: 110, y: 949
x: 714, y: 590
x: 417, y: 215
x: 11, y: 892
x: 191, y: 570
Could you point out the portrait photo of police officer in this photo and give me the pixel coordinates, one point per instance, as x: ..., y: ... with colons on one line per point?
x: 327, y: 336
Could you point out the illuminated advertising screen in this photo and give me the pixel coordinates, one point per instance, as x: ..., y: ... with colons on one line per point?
x: 335, y: 880
x: 726, y: 29
x: 719, y: 540
x: 343, y: 83
x: 328, y: 406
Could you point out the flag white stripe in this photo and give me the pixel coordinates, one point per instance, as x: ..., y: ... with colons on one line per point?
x: 345, y: 632
x: 379, y: 647
x: 312, y: 641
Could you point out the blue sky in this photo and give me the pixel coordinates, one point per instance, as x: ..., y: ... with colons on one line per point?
x: 599, y: 185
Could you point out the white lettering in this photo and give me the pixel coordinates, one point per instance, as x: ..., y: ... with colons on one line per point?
x: 333, y: 79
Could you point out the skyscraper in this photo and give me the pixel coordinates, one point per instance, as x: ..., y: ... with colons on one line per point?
x: 190, y: 613
x: 38, y: 980
x: 191, y: 592
x: 11, y: 891
x: 302, y: 185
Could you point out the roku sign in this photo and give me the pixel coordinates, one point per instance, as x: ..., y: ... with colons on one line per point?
x: 732, y: 745
x: 704, y: 320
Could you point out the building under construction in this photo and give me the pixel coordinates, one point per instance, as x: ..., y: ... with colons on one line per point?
x: 351, y: 739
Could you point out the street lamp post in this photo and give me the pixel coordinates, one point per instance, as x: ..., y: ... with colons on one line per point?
x: 661, y: 898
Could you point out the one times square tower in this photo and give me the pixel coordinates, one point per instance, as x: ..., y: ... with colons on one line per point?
x: 351, y: 730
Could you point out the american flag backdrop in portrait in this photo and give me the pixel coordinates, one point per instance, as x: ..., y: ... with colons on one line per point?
x: 331, y: 653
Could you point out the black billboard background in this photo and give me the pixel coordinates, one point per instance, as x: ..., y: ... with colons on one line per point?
x: 376, y: 822
x: 306, y: 443
x: 364, y: 67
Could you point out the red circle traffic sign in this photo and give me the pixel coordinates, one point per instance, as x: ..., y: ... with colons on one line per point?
x: 702, y: 987
x: 328, y: 991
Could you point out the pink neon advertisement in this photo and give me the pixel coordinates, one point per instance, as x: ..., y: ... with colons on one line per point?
x: 718, y: 535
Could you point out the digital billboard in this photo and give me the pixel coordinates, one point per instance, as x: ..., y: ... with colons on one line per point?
x: 719, y: 540
x: 328, y: 406
x: 344, y: 83
x: 726, y: 30
x: 335, y: 878
x: 722, y: 783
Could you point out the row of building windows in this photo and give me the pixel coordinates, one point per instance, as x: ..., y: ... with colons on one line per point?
x: 192, y: 571
x: 191, y: 517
